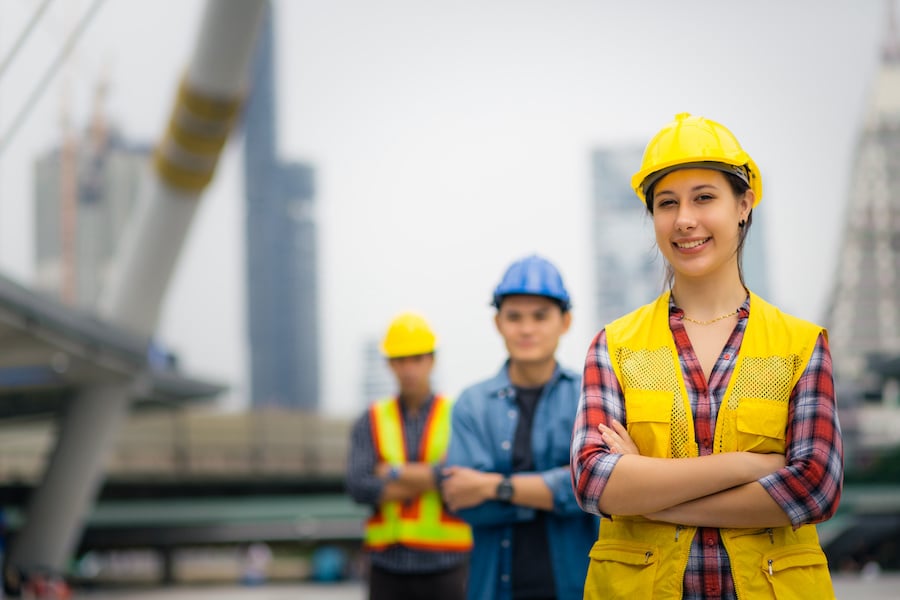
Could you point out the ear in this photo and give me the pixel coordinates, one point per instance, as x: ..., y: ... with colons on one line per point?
x: 497, y: 321
x: 745, y: 205
x: 567, y: 320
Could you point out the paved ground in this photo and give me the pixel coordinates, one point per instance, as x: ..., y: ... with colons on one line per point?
x: 344, y: 591
x: 847, y: 587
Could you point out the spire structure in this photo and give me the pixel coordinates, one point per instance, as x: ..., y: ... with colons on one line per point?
x: 891, y: 48
x: 864, y: 312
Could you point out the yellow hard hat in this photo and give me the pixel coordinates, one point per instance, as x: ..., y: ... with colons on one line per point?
x: 691, y: 141
x: 408, y: 335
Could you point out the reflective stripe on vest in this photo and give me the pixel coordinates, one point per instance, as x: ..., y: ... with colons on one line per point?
x: 422, y: 523
x: 753, y: 417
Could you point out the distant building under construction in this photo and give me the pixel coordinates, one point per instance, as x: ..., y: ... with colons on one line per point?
x: 864, y: 313
x: 84, y: 192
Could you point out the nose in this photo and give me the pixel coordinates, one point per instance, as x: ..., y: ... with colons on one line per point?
x: 685, y: 220
x: 526, y: 326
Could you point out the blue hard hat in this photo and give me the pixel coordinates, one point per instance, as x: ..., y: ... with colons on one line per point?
x: 533, y: 276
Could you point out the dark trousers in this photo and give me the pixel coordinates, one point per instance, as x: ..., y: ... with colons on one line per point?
x: 443, y: 585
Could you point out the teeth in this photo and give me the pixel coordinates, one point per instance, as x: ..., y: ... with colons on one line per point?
x: 687, y: 245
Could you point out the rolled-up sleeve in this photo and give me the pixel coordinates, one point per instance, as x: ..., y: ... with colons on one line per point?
x: 809, y: 488
x: 601, y: 401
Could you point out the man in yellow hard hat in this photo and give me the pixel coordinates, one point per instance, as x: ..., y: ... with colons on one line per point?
x: 416, y: 548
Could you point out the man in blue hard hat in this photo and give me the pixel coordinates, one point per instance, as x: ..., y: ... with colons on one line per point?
x: 508, y: 460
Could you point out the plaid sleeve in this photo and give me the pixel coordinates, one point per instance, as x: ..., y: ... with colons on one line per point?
x: 601, y: 401
x: 809, y: 487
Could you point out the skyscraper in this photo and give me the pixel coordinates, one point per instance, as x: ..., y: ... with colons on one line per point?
x: 864, y: 312
x: 84, y: 193
x: 628, y: 271
x: 282, y: 289
x: 378, y: 381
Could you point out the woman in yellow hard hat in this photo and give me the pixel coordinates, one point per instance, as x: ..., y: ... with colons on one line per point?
x: 707, y: 435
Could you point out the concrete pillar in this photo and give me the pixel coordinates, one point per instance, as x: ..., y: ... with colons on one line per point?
x: 205, y: 109
x: 58, y: 506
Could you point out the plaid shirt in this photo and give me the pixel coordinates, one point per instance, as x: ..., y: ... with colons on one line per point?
x: 807, y: 489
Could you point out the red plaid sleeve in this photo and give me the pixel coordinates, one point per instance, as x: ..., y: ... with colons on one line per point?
x: 601, y: 401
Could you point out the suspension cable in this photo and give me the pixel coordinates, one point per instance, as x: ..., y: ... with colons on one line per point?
x: 39, y: 89
x: 4, y: 65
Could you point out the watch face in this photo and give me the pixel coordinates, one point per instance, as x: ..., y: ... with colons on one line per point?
x: 505, y: 490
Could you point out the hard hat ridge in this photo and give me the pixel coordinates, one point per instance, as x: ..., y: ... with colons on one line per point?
x: 532, y: 276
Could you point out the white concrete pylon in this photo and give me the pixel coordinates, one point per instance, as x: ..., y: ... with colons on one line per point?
x: 207, y: 105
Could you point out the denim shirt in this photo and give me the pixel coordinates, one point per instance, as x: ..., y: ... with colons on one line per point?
x: 483, y: 428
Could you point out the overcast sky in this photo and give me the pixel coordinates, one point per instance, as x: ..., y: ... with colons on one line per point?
x: 452, y: 137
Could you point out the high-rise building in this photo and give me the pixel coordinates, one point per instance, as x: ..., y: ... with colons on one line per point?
x: 628, y: 269
x: 282, y: 289
x: 84, y: 193
x: 378, y: 381
x: 863, y: 316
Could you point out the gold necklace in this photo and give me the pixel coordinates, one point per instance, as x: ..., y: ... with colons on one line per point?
x: 711, y: 321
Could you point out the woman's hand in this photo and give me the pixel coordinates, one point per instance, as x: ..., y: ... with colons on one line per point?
x: 617, y: 439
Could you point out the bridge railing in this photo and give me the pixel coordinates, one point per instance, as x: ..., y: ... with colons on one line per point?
x: 197, y: 444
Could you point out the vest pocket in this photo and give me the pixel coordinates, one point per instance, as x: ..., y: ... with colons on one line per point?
x: 761, y: 425
x: 648, y: 414
x: 798, y: 572
x: 621, y: 569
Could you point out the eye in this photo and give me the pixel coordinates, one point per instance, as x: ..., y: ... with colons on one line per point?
x: 705, y: 197
x: 665, y: 202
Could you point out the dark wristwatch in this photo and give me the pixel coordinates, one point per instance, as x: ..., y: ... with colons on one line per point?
x: 505, y: 489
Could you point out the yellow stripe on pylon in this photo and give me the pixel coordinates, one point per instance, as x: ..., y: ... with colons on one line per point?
x: 198, y: 129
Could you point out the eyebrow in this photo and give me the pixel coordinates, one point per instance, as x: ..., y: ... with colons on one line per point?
x: 696, y: 188
x: 525, y: 311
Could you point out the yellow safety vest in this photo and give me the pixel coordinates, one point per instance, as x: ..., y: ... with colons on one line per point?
x: 421, y: 523
x: 637, y: 558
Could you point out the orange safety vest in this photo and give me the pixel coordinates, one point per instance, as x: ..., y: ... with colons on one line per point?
x: 421, y: 523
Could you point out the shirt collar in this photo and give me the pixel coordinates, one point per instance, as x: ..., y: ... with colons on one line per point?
x: 500, y: 385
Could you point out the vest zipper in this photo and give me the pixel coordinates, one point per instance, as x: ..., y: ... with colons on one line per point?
x: 678, y: 529
x: 649, y: 554
x: 771, y: 539
x: 770, y: 566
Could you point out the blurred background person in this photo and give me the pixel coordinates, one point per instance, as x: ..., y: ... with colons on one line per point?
x: 508, y: 464
x: 417, y: 550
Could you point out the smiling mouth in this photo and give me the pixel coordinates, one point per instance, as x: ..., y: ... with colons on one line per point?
x: 689, y: 245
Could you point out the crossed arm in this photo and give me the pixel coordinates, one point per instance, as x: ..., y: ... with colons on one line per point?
x: 414, y: 479
x: 719, y: 490
x: 736, y: 489
x: 464, y: 487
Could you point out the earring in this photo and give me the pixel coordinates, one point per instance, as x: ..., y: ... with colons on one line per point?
x: 741, y: 223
